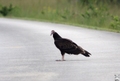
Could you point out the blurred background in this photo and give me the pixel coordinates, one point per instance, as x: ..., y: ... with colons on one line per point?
x: 97, y: 14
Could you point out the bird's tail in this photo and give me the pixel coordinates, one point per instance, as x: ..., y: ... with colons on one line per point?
x: 86, y: 53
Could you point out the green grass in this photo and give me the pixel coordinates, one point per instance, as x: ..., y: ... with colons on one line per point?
x: 104, y: 16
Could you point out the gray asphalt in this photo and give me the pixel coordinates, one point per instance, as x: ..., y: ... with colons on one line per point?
x: 27, y: 53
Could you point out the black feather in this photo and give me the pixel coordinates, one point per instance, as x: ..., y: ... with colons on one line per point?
x: 68, y: 46
x: 86, y: 53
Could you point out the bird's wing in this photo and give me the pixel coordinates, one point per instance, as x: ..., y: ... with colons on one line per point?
x: 65, y: 44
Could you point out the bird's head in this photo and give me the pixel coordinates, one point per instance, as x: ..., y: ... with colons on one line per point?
x: 52, y: 32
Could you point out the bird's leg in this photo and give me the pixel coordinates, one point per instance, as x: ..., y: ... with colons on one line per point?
x: 63, y: 56
x: 62, y: 53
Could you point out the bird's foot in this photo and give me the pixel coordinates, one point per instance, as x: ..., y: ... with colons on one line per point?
x: 60, y: 60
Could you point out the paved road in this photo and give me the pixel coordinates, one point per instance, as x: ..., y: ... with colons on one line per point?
x: 27, y: 53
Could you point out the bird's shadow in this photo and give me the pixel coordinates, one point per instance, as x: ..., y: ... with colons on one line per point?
x: 71, y: 60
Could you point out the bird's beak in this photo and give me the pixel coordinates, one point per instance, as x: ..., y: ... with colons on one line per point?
x: 52, y: 32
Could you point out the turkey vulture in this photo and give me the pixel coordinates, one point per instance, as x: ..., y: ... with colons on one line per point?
x: 67, y: 46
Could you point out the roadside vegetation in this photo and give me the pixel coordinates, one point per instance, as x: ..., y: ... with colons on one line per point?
x: 97, y: 14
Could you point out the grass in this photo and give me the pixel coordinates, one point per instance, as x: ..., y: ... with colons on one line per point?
x: 91, y: 15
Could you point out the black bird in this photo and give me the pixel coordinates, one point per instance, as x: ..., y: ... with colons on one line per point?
x: 67, y: 46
